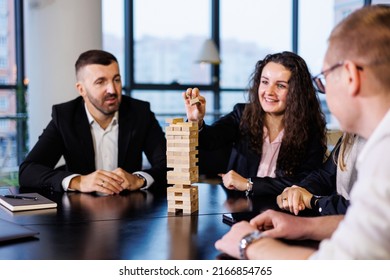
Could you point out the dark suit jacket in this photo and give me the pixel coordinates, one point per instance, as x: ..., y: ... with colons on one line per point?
x: 245, y: 161
x: 68, y: 134
x: 323, y: 182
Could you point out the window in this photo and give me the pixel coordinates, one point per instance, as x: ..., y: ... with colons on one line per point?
x: 113, y: 29
x: 249, y: 33
x: 12, y: 92
x: 159, y: 42
x: 4, y: 101
x: 167, y: 41
x: 316, y: 21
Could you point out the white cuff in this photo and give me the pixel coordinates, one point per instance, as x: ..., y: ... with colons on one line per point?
x: 149, y: 179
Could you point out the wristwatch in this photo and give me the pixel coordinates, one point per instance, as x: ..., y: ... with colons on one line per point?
x: 143, y: 178
x: 248, y: 240
x: 314, y: 202
x: 249, y: 187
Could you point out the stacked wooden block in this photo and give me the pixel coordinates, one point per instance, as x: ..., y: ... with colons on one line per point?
x: 182, y: 140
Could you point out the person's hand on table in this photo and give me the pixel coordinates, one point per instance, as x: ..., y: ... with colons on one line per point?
x: 229, y: 243
x: 99, y: 181
x: 234, y: 181
x: 130, y: 182
x: 294, y: 199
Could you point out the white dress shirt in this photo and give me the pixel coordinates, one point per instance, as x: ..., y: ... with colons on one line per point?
x: 105, y: 144
x: 365, y: 231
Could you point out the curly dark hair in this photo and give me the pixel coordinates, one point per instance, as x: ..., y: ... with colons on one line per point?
x: 302, y: 119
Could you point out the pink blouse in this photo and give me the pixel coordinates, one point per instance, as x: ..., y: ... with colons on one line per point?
x: 270, y: 154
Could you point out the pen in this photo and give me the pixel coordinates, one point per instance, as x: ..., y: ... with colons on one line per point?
x: 21, y: 197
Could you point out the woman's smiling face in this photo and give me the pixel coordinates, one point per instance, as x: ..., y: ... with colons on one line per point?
x: 273, y: 88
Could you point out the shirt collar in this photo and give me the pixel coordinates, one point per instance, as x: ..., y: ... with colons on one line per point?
x: 278, y: 139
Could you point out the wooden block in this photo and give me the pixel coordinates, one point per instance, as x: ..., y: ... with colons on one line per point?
x: 189, y: 148
x: 174, y: 120
x: 175, y: 179
x: 182, y: 181
x: 170, y: 131
x: 179, y: 203
x: 184, y: 141
x: 183, y: 186
x: 186, y: 209
x: 191, y: 191
x: 194, y: 101
x: 188, y: 127
x: 173, y: 197
x: 181, y: 175
x: 182, y: 159
x: 180, y: 166
x: 182, y: 155
x: 188, y: 124
x: 192, y: 169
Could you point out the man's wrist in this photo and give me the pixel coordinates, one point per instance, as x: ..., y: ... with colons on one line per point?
x: 72, y: 183
x: 144, y: 182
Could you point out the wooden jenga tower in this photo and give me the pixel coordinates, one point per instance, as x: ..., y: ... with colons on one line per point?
x: 182, y: 140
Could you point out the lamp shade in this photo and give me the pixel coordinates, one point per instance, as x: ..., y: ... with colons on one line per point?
x: 209, y: 53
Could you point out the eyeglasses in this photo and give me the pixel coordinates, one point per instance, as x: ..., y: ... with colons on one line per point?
x: 319, y: 80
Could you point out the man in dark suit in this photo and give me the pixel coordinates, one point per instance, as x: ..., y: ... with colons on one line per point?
x: 102, y: 135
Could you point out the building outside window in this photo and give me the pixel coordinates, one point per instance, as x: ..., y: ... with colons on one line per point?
x: 157, y: 43
x: 11, y: 136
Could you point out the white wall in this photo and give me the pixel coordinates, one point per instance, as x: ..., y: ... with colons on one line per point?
x: 56, y: 32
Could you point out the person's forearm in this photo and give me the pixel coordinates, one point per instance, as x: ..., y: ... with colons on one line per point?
x: 319, y: 228
x: 271, y: 249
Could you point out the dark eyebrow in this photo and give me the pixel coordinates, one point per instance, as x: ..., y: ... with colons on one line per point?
x: 99, y: 78
x: 279, y: 81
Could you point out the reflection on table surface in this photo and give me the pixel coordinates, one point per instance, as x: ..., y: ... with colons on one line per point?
x: 132, y: 225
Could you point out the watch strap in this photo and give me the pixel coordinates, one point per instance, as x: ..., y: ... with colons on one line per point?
x: 314, y: 202
x: 249, y: 187
x: 142, y: 177
x: 248, y: 240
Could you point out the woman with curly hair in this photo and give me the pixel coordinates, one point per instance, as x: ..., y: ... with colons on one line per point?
x: 278, y: 137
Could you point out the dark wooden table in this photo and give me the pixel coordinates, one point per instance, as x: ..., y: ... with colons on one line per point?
x: 134, y: 225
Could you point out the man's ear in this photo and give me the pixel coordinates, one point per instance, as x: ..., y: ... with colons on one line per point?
x: 353, y: 76
x: 80, y: 88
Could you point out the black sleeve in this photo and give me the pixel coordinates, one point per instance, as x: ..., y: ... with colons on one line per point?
x: 332, y: 205
x: 323, y: 180
x: 38, y: 168
x: 271, y: 186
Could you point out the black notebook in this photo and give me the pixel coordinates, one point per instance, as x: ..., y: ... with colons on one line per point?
x: 10, y: 231
x: 26, y: 201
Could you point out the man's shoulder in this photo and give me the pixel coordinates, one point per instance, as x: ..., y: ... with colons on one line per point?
x: 74, y: 103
